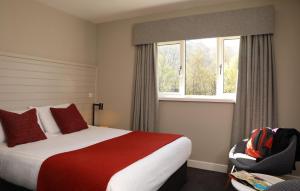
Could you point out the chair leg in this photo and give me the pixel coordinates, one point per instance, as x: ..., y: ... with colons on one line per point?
x: 232, y: 169
x: 229, y: 177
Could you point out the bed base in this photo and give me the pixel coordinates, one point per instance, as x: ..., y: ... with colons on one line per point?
x: 174, y: 183
x: 177, y: 180
x: 6, y: 186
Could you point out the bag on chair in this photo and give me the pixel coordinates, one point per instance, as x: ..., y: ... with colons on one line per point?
x: 260, y: 143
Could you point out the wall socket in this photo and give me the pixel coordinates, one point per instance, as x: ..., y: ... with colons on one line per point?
x: 90, y: 95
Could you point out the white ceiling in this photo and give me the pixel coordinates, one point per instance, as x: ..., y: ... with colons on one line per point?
x: 99, y: 11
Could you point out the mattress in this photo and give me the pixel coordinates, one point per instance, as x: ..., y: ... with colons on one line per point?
x: 20, y: 164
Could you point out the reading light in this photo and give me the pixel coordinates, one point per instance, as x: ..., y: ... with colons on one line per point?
x: 100, y: 107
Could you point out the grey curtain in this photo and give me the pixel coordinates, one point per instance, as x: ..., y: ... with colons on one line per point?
x: 256, y: 102
x: 145, y: 102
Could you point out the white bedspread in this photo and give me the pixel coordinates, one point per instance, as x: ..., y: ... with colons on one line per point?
x: 20, y: 165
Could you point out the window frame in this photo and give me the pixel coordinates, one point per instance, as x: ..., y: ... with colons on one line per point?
x: 180, y: 96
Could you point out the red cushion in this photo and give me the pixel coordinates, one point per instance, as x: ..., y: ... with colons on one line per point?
x: 21, y: 128
x: 68, y: 119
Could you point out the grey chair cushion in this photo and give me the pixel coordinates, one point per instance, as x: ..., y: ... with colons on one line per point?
x: 247, y: 162
x: 289, y: 185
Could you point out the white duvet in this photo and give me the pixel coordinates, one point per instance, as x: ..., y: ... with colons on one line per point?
x: 20, y: 164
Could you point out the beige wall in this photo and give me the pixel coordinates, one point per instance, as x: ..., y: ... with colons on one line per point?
x: 208, y: 125
x: 200, y: 121
x: 32, y: 29
x: 287, y: 51
x: 28, y: 27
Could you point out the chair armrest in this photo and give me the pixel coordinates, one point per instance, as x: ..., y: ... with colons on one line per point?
x: 241, y: 146
x: 238, y: 148
x: 240, y: 161
x: 279, y: 163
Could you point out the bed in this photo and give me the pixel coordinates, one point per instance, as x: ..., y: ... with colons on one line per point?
x: 20, y: 165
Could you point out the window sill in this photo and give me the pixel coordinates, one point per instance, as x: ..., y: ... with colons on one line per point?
x: 213, y: 99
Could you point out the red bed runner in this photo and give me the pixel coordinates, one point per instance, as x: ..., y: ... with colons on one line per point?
x: 91, y: 168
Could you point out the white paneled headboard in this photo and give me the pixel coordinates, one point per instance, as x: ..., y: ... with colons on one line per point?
x: 31, y: 81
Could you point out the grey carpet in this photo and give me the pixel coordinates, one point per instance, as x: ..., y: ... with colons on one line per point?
x: 197, y: 180
x: 203, y: 180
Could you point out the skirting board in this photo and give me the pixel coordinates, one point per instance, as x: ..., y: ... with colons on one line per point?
x: 207, y: 166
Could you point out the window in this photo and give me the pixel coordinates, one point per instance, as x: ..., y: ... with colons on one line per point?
x: 198, y: 69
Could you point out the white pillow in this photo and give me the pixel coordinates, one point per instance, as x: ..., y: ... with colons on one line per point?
x: 48, y: 122
x: 2, y: 135
x: 50, y: 135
